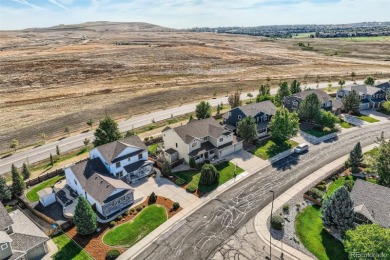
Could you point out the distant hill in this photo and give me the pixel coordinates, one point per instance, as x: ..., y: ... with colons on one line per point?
x: 101, y: 26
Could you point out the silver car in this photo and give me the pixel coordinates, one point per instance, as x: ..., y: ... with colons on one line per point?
x: 301, y: 148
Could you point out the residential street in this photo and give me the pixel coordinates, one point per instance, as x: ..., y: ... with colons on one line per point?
x: 75, y: 141
x: 222, y: 224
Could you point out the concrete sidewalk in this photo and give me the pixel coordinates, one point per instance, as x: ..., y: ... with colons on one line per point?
x: 261, y: 218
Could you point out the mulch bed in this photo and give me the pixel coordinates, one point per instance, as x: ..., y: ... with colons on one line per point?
x: 94, y: 245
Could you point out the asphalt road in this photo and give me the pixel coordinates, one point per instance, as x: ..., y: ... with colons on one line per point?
x: 75, y: 141
x: 202, y: 233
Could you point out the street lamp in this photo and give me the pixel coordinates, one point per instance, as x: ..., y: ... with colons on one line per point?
x: 272, y: 208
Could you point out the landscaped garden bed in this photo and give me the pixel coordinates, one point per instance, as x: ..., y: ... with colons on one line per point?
x: 269, y: 148
x: 94, y: 245
x: 191, y: 178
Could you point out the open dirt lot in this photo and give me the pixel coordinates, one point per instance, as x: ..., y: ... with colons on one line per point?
x: 52, y: 78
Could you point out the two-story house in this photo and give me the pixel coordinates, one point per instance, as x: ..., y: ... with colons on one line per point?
x: 385, y: 86
x: 292, y: 102
x: 103, y: 178
x: 20, y: 238
x: 370, y: 97
x: 201, y: 139
x: 261, y: 112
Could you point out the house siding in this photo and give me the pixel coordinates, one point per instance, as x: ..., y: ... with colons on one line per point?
x: 6, y: 252
x: 170, y: 138
x: 233, y: 118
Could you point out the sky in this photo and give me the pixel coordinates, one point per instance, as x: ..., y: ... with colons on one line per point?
x: 181, y: 14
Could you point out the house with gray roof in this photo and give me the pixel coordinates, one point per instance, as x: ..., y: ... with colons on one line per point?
x: 292, y: 102
x: 371, y: 203
x: 385, y: 86
x: 202, y: 139
x: 20, y: 238
x: 370, y: 97
x: 262, y: 112
x: 104, y: 178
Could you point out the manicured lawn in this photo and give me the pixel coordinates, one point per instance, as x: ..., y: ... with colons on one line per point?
x: 131, y: 232
x: 152, y: 148
x: 337, y: 184
x: 309, y: 228
x: 368, y: 119
x: 32, y: 194
x: 269, y: 148
x: 226, y: 172
x: 319, y: 133
x: 344, y: 124
x: 68, y: 249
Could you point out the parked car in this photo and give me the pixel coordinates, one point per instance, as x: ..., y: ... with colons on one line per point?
x: 301, y: 148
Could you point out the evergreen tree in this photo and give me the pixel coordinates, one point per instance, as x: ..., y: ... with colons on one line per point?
x: 86, y: 141
x: 356, y: 156
x: 309, y: 109
x: 192, y: 162
x: 382, y: 161
x: 5, y: 191
x: 235, y: 100
x: 107, y: 131
x: 208, y: 175
x: 203, y: 110
x: 284, y: 125
x: 51, y: 160
x: 247, y: 129
x: 353, y: 75
x: 351, y: 102
x: 18, y: 185
x: 369, y: 81
x: 218, y: 109
x: 295, y: 87
x: 337, y: 210
x: 283, y: 91
x: 58, y: 152
x: 26, y: 171
x: 166, y: 168
x: 84, y: 217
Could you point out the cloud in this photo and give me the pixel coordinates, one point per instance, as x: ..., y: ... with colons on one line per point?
x: 59, y: 5
x: 27, y: 3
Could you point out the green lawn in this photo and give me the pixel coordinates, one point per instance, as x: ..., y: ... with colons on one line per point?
x: 337, y: 184
x: 153, y: 148
x: 270, y: 148
x: 226, y: 172
x: 368, y: 119
x: 345, y: 124
x: 319, y: 133
x: 309, y: 228
x: 131, y: 232
x: 32, y: 194
x: 68, y: 249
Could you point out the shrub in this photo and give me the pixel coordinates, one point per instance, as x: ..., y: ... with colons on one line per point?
x: 321, y: 187
x: 355, y: 169
x: 315, y: 193
x: 113, y: 254
x: 180, y: 182
x: 139, y: 208
x: 192, y: 162
x: 119, y: 217
x: 349, y: 185
x: 323, y: 182
x: 277, y: 222
x: 286, y: 208
x: 152, y: 198
x: 208, y: 175
x: 132, y: 210
x: 112, y: 223
x: 175, y: 206
x: 347, y: 164
x: 126, y: 213
x: 191, y: 188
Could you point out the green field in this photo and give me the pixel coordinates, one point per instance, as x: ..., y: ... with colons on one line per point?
x: 309, y: 229
x: 270, y: 148
x: 130, y: 233
x: 366, y: 39
x: 68, y: 249
x: 32, y: 195
x: 226, y: 172
x: 302, y: 35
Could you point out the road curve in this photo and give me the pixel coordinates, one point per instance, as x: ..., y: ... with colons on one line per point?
x: 199, y: 235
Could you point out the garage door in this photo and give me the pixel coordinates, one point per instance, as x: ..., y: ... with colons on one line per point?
x: 238, y: 147
x: 227, y: 150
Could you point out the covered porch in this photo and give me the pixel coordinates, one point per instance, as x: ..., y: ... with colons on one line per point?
x: 207, y: 151
x: 262, y: 129
x: 138, y: 170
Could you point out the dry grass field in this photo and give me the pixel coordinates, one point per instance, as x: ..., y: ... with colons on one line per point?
x: 63, y: 76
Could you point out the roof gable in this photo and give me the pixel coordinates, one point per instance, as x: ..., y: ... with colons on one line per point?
x: 322, y: 95
x: 266, y: 107
x: 5, y: 219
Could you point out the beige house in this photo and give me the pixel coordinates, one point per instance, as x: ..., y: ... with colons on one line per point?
x: 202, y: 139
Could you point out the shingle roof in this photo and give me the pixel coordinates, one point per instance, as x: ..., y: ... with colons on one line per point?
x: 375, y: 199
x: 96, y: 180
x: 25, y: 242
x: 23, y: 225
x: 383, y: 85
x: 200, y: 128
x: 253, y: 109
x: 322, y: 95
x: 44, y: 192
x: 134, y: 166
x: 111, y: 150
x: 5, y: 219
x: 362, y: 89
x: 4, y: 237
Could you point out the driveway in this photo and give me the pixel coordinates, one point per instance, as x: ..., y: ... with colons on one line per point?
x: 354, y: 120
x: 162, y: 187
x: 246, y: 161
x: 375, y: 114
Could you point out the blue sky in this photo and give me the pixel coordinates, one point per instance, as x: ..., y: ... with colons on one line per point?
x: 19, y: 14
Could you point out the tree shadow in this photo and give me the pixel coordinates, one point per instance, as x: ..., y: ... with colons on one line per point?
x: 334, y: 248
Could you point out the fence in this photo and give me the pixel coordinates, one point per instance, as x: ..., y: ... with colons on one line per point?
x: 44, y: 177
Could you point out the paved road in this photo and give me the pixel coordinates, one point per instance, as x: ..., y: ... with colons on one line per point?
x: 76, y: 141
x: 211, y: 228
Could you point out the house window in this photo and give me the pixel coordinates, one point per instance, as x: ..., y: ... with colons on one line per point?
x: 176, y: 145
x: 118, y: 164
x: 239, y: 117
x: 221, y: 139
x: 140, y: 156
x: 265, y: 117
x: 205, y: 138
x: 4, y: 246
x: 193, y: 144
x: 7, y: 229
x: 257, y: 119
x: 75, y: 182
x: 120, y: 174
x: 295, y: 104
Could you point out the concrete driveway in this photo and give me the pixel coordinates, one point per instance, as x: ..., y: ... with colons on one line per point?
x: 246, y: 161
x: 162, y: 187
x: 354, y: 120
x: 375, y: 114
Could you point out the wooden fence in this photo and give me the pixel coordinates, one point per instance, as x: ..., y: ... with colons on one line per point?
x: 44, y: 177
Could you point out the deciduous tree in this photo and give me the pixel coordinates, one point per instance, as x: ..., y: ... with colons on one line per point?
x: 309, y: 108
x: 341, y: 82
x: 90, y: 123
x: 351, y: 102
x: 326, y: 119
x: 284, y: 125
x: 337, y: 210
x: 18, y: 185
x: 283, y: 91
x: 247, y: 129
x: 208, y: 175
x: 235, y: 100
x: 369, y: 81
x: 107, y: 131
x: 250, y: 95
x: 203, y: 110
x: 353, y: 75
x: 264, y: 90
x: 84, y: 217
x: 382, y: 161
